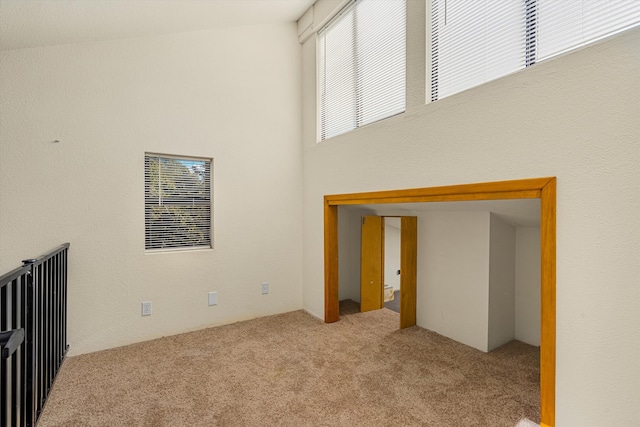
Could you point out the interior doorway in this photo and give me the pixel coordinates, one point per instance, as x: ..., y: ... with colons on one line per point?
x: 541, y: 188
x: 372, y: 266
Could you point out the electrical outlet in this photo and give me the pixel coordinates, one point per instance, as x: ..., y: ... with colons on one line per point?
x: 146, y: 308
x: 213, y: 298
x: 265, y: 288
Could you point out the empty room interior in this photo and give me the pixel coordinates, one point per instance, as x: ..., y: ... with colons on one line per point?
x: 476, y: 261
x: 212, y: 164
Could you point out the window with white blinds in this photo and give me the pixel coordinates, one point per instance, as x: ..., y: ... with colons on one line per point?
x: 566, y: 25
x: 361, y: 65
x: 473, y: 42
x: 177, y: 202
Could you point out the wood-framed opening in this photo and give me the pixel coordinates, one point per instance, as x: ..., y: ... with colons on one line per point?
x: 372, y: 266
x: 535, y: 188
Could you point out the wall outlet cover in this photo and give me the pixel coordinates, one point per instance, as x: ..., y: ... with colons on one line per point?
x: 213, y: 298
x: 265, y: 288
x: 146, y: 308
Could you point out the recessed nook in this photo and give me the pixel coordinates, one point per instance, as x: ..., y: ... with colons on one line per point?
x: 537, y: 188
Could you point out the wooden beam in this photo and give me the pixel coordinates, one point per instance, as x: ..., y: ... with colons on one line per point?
x: 516, y: 189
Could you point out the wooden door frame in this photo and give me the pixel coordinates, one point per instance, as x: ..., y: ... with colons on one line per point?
x: 535, y: 188
x: 367, y: 263
x: 408, y: 266
x: 409, y: 270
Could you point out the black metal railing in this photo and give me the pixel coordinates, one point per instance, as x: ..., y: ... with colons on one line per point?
x: 33, y: 335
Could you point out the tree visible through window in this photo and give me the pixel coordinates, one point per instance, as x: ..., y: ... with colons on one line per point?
x: 177, y: 202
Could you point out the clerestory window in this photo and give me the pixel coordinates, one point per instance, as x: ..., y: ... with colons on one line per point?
x: 361, y: 66
x: 473, y: 42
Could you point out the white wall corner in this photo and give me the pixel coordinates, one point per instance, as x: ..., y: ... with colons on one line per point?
x: 344, y: 251
x: 305, y: 25
x: 528, y: 285
x: 502, y: 278
x: 325, y: 10
x: 453, y: 275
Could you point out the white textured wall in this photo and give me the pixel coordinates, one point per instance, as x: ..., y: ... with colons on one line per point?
x: 502, y: 283
x: 344, y: 244
x: 528, y: 285
x: 453, y: 275
x: 233, y: 95
x: 574, y: 117
x: 349, y: 242
x: 392, y: 252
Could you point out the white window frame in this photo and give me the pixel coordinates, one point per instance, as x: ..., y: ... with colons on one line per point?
x: 346, y: 7
x: 532, y: 54
x: 194, y: 230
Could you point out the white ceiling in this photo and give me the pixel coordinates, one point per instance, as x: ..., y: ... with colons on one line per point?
x: 31, y: 23
x: 518, y: 212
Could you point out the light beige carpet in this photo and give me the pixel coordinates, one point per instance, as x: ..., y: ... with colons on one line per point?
x: 294, y: 370
x: 525, y: 422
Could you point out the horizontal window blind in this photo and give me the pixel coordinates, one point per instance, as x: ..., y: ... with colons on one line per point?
x: 337, y: 76
x: 473, y: 42
x: 566, y: 25
x: 177, y: 202
x: 361, y: 65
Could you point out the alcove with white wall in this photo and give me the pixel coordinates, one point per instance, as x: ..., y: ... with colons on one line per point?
x: 349, y: 244
x: 478, y: 278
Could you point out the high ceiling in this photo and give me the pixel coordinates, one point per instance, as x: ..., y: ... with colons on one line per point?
x: 31, y: 23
